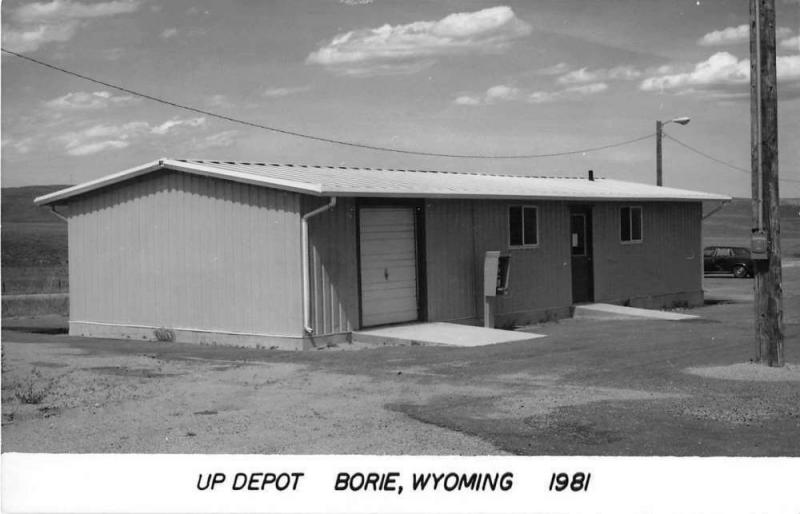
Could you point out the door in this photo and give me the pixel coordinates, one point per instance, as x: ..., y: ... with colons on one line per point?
x: 388, y: 254
x: 581, y: 249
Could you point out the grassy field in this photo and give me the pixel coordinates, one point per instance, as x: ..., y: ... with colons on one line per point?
x: 34, y: 244
x: 732, y: 225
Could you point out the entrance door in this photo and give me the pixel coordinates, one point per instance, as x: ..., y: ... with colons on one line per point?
x: 388, y: 265
x: 581, y: 245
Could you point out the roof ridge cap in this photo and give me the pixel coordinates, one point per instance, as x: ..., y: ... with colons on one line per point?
x: 366, y: 168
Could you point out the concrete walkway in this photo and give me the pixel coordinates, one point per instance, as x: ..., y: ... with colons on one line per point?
x: 609, y: 311
x: 450, y: 334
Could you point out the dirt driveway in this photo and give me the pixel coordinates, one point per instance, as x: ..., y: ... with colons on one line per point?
x: 589, y: 388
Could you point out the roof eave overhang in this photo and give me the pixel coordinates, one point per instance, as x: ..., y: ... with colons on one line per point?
x: 196, y: 169
x: 484, y: 196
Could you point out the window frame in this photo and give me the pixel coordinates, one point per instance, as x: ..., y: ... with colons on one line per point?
x: 585, y: 235
x: 522, y: 221
x: 631, y: 209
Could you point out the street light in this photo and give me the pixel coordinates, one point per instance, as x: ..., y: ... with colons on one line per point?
x: 683, y: 120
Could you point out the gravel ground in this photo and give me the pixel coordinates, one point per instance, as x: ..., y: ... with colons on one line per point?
x: 140, y: 403
x: 749, y: 371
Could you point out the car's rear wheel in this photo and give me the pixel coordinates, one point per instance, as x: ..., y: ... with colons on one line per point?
x: 739, y: 271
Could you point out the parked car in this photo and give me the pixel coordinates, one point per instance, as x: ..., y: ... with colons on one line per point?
x: 728, y: 259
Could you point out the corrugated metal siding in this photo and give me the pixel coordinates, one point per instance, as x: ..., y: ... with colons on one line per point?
x: 540, y: 278
x: 668, y: 260
x: 333, y: 269
x: 460, y: 232
x: 450, y: 256
x: 182, y: 251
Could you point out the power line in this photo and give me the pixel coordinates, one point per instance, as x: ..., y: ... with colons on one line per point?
x: 719, y: 161
x: 318, y: 138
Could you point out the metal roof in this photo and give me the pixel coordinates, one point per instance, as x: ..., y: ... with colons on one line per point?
x: 345, y: 181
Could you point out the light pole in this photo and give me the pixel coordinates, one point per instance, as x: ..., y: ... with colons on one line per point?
x: 659, y: 132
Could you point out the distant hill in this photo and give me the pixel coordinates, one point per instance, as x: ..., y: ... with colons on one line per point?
x: 31, y: 237
x: 17, y: 204
x: 733, y: 224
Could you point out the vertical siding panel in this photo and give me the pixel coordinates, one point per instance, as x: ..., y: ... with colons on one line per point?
x: 73, y: 258
x: 666, y: 262
x: 181, y: 251
x: 333, y: 271
x: 246, y: 227
x: 184, y: 238
x: 449, y: 243
x: 95, y: 227
x: 205, y: 208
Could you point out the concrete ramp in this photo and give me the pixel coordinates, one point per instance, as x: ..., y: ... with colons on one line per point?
x: 450, y: 334
x: 610, y: 311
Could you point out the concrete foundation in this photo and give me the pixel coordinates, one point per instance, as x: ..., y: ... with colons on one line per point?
x: 445, y: 334
x: 181, y: 335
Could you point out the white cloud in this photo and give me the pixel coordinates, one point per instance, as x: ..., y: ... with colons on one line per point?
x: 556, y: 69
x: 218, y: 100
x: 733, y: 35
x: 43, y: 12
x: 22, y: 146
x: 169, y: 33
x: 492, y: 95
x: 89, y: 101
x: 793, y: 43
x: 570, y: 93
x: 788, y: 68
x: 414, y: 46
x: 221, y: 139
x: 623, y: 73
x: 38, y: 23
x: 726, y: 36
x: 284, y: 91
x: 577, y: 76
x: 588, y: 89
x: 501, y: 92
x: 101, y: 137
x: 467, y: 100
x: 584, y: 75
x: 722, y: 72
x: 505, y: 93
x: 175, y: 123
x: 29, y: 39
x: 96, y: 147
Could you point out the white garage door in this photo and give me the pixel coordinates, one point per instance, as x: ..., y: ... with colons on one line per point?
x: 388, y: 266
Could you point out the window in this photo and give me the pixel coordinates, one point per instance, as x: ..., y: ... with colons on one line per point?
x: 578, y: 230
x: 523, y: 226
x: 630, y: 227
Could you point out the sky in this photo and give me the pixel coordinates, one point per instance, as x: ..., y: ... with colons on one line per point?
x: 458, y: 77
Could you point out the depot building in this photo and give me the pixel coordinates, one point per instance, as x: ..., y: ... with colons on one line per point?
x: 293, y: 256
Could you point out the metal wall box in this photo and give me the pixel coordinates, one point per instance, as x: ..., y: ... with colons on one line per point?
x: 496, y: 267
x: 759, y: 246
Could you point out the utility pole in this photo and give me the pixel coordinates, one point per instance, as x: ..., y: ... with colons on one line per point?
x: 766, y: 243
x: 683, y: 120
x: 659, y: 134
